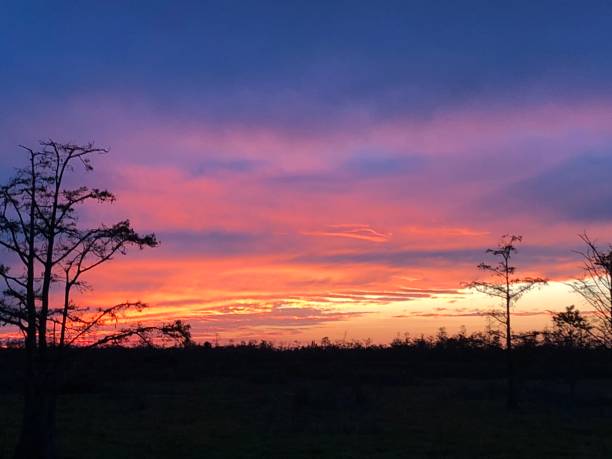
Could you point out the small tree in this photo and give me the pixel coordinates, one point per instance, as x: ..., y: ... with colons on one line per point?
x: 47, y: 249
x: 571, y: 329
x: 571, y: 333
x: 504, y: 286
x: 595, y: 287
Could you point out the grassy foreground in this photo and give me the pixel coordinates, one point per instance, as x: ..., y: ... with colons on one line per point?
x: 166, y: 413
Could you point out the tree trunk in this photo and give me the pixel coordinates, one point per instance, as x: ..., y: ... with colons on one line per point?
x: 511, y: 401
x: 37, y: 436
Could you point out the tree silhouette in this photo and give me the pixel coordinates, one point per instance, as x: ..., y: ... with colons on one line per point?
x: 507, y: 288
x: 573, y: 333
x: 571, y: 329
x: 47, y: 251
x: 595, y: 287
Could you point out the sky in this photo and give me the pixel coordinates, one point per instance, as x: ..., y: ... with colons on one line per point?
x: 324, y: 168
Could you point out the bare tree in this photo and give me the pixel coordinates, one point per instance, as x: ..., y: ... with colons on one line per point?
x: 47, y: 251
x: 504, y: 286
x: 595, y: 287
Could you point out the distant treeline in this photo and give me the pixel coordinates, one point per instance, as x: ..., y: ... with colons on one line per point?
x: 568, y: 331
x: 406, y: 360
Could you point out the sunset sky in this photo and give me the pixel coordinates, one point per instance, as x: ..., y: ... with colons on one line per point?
x: 324, y: 168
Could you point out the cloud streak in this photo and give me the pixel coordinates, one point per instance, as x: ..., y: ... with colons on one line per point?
x: 360, y: 232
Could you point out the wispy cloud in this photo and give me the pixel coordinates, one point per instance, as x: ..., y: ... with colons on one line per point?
x: 464, y: 312
x: 361, y: 232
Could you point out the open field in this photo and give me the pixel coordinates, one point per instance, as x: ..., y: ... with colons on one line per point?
x: 253, y: 403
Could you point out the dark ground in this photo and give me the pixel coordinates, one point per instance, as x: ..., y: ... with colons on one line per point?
x: 251, y: 402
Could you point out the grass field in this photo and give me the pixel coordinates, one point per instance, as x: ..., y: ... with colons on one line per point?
x: 241, y: 416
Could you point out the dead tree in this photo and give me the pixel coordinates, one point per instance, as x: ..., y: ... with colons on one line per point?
x: 595, y: 287
x: 45, y: 248
x: 504, y: 286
